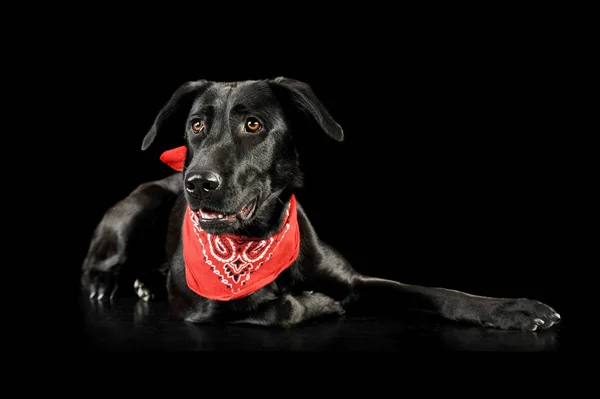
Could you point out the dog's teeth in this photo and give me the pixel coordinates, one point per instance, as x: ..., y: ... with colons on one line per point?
x: 210, y: 215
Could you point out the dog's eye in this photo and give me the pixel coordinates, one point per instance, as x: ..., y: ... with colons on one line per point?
x: 197, y: 126
x: 252, y: 125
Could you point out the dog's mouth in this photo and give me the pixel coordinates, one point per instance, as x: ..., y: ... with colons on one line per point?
x: 208, y: 215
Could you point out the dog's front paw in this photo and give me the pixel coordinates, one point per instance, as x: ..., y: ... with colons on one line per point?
x: 150, y: 285
x: 142, y: 290
x: 99, y: 284
x: 521, y: 314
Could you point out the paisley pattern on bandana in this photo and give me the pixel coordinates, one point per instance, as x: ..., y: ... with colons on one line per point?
x: 225, y: 267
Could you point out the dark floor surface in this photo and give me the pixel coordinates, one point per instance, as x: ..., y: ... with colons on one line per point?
x: 131, y: 324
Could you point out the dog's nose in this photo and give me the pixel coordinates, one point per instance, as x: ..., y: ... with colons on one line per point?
x: 206, y: 181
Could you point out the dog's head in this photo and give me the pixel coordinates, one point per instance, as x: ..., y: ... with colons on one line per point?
x: 241, y: 148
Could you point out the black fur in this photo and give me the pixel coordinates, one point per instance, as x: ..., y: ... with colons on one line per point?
x: 261, y: 167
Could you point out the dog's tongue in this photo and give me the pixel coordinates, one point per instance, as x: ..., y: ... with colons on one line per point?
x: 175, y: 157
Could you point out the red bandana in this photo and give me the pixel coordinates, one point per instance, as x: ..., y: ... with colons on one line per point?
x: 175, y: 157
x: 225, y: 267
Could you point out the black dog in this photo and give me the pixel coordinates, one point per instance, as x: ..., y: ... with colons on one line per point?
x: 237, y: 246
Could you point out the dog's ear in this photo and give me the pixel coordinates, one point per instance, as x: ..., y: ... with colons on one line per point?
x: 181, y: 100
x: 302, y: 95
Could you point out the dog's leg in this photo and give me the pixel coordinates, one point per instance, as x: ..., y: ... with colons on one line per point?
x: 502, y: 313
x: 111, y: 241
x: 291, y: 310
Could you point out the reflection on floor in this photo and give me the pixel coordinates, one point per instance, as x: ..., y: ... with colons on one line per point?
x: 131, y: 324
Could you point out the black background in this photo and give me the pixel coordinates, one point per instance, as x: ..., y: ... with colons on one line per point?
x: 451, y: 173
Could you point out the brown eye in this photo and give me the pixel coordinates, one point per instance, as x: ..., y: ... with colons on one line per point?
x: 197, y: 126
x: 252, y: 125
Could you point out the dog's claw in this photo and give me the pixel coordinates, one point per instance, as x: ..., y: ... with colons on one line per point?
x: 113, y: 292
x: 538, y: 322
x: 142, y: 291
x: 100, y: 284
